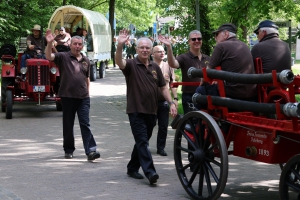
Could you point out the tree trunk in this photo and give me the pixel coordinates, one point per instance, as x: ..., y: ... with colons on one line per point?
x: 112, y: 17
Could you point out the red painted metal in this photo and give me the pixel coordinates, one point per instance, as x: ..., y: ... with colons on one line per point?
x: 255, y: 136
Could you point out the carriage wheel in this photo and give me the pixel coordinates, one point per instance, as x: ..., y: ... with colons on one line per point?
x: 9, y: 104
x: 200, y: 155
x: 289, y: 186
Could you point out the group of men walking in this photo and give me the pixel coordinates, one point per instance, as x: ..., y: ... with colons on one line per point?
x: 148, y: 84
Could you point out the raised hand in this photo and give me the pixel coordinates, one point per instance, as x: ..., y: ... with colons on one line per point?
x: 49, y: 36
x: 164, y: 40
x: 123, y: 36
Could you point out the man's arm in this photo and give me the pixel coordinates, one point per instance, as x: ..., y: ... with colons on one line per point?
x: 123, y: 37
x: 48, y: 50
x: 166, y: 94
x: 88, y: 84
x: 171, y: 60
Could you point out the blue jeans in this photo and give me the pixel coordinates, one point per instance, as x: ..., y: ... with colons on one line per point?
x: 25, y: 56
x: 82, y: 107
x: 163, y: 122
x: 141, y: 126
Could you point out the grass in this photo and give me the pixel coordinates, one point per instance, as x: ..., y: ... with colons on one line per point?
x: 179, y: 92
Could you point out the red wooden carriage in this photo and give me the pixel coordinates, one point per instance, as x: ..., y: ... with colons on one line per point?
x: 267, y: 131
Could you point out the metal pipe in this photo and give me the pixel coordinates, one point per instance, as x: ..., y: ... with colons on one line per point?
x: 285, y: 76
x: 289, y: 109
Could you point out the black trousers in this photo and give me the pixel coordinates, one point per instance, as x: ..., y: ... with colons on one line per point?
x: 71, y: 106
x: 141, y: 126
x: 163, y: 122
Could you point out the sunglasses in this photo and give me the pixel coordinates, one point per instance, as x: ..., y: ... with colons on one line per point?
x: 194, y: 39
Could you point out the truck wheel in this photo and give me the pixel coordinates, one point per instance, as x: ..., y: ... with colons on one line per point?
x: 4, y: 83
x: 9, y: 103
x: 102, y: 70
x: 93, y: 72
x: 58, y: 106
x: 3, y: 95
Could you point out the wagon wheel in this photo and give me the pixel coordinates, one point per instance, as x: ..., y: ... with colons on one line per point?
x: 206, y: 155
x: 289, y: 186
x: 9, y: 103
x: 93, y: 72
x: 102, y: 70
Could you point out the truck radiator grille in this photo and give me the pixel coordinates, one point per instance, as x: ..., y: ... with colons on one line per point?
x: 38, y: 75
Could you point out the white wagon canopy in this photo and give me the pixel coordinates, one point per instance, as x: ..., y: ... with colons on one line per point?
x: 97, y: 25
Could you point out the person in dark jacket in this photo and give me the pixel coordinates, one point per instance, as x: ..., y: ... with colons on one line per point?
x: 274, y: 53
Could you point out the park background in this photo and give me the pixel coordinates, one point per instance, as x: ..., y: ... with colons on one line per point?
x: 173, y: 17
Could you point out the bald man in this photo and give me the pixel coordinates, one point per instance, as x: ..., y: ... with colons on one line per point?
x: 163, y: 106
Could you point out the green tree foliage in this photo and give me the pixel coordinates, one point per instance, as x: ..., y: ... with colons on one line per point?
x: 185, y: 11
x: 18, y: 18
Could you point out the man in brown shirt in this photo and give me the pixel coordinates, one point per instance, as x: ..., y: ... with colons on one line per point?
x: 143, y: 78
x: 233, y: 56
x: 163, y: 106
x: 193, y: 58
x: 74, y: 93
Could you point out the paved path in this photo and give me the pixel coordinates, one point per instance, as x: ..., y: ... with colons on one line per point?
x: 32, y: 165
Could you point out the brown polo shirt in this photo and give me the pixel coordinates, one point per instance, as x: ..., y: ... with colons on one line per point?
x: 73, y: 75
x: 186, y: 61
x: 142, y: 86
x: 234, y: 56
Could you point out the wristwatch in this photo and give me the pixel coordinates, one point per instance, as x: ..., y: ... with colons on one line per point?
x: 172, y: 102
x: 175, y: 98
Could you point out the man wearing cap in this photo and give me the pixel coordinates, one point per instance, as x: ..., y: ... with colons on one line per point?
x: 233, y: 56
x: 274, y: 53
x: 35, y: 45
x: 193, y: 58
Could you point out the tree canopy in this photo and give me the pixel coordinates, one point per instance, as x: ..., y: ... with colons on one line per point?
x: 19, y: 16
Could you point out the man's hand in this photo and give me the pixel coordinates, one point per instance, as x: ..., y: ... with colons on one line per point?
x: 173, y: 110
x: 164, y: 40
x: 31, y: 47
x: 123, y: 36
x: 49, y: 36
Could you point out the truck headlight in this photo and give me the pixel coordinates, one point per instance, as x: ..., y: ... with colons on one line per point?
x: 53, y: 70
x: 23, y: 70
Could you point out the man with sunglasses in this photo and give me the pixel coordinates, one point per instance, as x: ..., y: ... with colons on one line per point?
x: 274, y: 53
x: 233, y: 56
x: 193, y: 58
